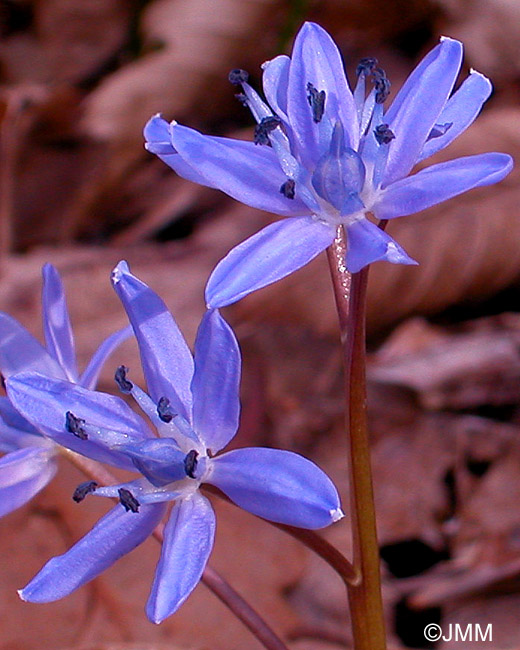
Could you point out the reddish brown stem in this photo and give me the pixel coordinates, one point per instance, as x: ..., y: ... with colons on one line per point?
x: 365, y: 600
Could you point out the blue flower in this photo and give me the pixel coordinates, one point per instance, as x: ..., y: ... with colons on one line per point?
x: 193, y: 403
x: 334, y: 157
x: 29, y: 462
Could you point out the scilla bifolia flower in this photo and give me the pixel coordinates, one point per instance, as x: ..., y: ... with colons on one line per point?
x: 193, y: 403
x: 324, y: 156
x: 29, y: 462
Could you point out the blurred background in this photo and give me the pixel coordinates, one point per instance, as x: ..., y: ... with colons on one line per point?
x: 78, y: 80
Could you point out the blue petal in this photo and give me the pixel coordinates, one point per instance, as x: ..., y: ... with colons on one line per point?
x: 91, y: 373
x: 277, y: 485
x: 165, y: 356
x: 13, y: 419
x: 269, y: 255
x: 216, y: 381
x: 56, y: 322
x: 418, y: 105
x: 316, y: 60
x: 158, y: 141
x: 45, y: 402
x: 460, y: 111
x: 275, y: 82
x: 366, y: 243
x: 113, y: 536
x: 23, y: 474
x: 247, y: 172
x: 441, y: 182
x: 188, y: 540
x: 20, y: 351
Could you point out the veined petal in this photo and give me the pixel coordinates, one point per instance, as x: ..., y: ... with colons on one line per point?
x: 216, y: 381
x: 188, y: 540
x: 45, y: 401
x: 20, y: 351
x: 166, y: 358
x: 277, y: 485
x: 90, y: 376
x: 441, y: 182
x: 316, y: 59
x: 23, y: 474
x: 247, y: 172
x: 56, y: 322
x: 158, y: 141
x: 275, y: 81
x: 113, y: 536
x: 13, y: 419
x: 460, y: 111
x: 418, y: 105
x: 269, y: 255
x: 366, y: 243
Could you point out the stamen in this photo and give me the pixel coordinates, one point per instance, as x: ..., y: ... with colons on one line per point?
x: 287, y: 189
x: 237, y: 77
x: 190, y: 463
x: 383, y: 134
x: 316, y: 101
x: 366, y: 65
x: 127, y: 500
x: 264, y: 128
x: 125, y: 386
x: 74, y: 425
x: 242, y: 98
x: 83, y: 489
x: 381, y: 84
x: 164, y: 411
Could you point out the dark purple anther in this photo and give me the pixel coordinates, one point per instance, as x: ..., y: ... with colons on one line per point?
x: 74, y: 425
x: 264, y: 128
x: 237, y: 77
x: 190, y: 463
x: 381, y: 84
x: 366, y: 65
x: 317, y: 102
x: 287, y: 188
x: 383, y: 134
x: 125, y: 386
x: 128, y: 501
x: 164, y: 411
x: 83, y: 489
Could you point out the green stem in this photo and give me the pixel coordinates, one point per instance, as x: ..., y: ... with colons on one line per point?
x: 365, y: 600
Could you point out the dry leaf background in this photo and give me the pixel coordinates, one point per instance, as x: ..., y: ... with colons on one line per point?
x: 77, y: 82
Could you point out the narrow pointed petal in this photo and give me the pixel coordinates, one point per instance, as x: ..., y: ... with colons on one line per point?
x: 274, y: 252
x: 45, y: 402
x: 366, y: 243
x: 166, y: 358
x: 158, y: 141
x: 56, y: 322
x: 23, y: 474
x: 113, y: 536
x: 277, y: 485
x: 20, y: 351
x: 12, y: 418
x: 460, y: 111
x: 441, y: 182
x: 91, y: 374
x: 247, y: 172
x: 316, y: 59
x: 276, y: 81
x: 216, y: 381
x: 418, y: 105
x: 188, y: 540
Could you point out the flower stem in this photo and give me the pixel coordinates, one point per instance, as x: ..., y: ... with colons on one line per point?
x: 365, y: 600
x: 213, y: 580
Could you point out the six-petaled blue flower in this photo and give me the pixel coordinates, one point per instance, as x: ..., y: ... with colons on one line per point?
x: 334, y: 157
x: 193, y: 403
x: 29, y: 462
